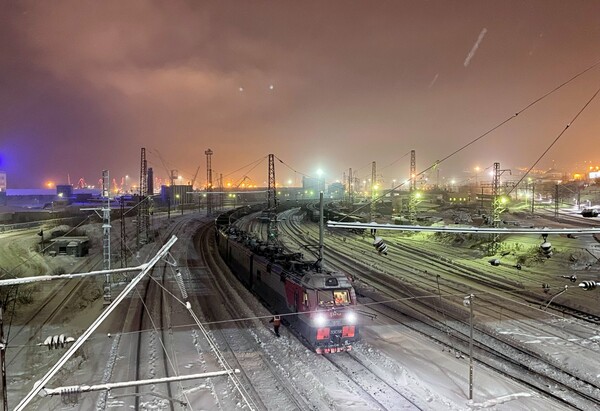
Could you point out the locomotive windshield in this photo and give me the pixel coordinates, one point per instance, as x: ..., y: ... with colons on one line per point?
x: 333, y: 297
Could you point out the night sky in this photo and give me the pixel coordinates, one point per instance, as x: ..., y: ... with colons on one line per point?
x: 325, y: 85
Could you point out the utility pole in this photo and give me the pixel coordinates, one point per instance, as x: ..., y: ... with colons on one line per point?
x: 532, y: 197
x: 209, y: 154
x: 272, y: 200
x: 497, y: 207
x: 123, y: 235
x: 221, y: 194
x: 271, y: 189
x: 143, y: 221
x: 350, y: 188
x: 321, y: 229
x: 106, y: 235
x: 3, y: 360
x: 413, y: 170
x: 412, y: 206
x: 373, y: 205
x: 556, y: 202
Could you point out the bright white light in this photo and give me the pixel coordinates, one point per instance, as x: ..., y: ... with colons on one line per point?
x: 320, y: 320
x: 319, y: 172
x: 271, y: 87
x: 351, y: 317
x: 241, y: 88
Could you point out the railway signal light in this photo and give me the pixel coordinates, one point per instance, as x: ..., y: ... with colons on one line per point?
x: 380, y: 246
x: 588, y: 285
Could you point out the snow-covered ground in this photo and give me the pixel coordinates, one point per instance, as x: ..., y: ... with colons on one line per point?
x: 402, y: 369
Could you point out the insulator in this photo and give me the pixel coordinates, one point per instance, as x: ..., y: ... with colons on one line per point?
x: 179, y: 281
x: 70, y: 395
x: 380, y: 245
x: 588, y: 285
x: 495, y: 262
x: 546, y: 248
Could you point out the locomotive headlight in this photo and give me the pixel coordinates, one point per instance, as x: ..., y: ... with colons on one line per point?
x: 351, y: 317
x: 320, y: 320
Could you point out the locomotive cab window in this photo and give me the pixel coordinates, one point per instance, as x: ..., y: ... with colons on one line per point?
x: 341, y: 297
x: 333, y: 297
x: 325, y: 297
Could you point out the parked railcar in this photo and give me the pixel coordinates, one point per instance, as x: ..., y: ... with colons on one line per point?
x: 319, y: 305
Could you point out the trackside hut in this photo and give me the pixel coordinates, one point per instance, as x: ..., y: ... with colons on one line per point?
x: 75, y: 246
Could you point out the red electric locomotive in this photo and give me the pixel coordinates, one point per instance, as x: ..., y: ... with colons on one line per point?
x: 319, y: 305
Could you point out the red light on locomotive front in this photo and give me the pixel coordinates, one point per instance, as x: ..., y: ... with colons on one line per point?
x: 348, y: 331
x: 322, y: 333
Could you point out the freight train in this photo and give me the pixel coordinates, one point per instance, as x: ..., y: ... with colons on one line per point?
x: 319, y: 305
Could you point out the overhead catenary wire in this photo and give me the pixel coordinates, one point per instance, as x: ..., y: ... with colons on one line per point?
x: 395, y: 161
x: 214, y: 347
x: 564, y: 130
x: 291, y: 168
x: 254, y: 164
x: 494, y: 128
x: 157, y: 330
x: 383, y: 302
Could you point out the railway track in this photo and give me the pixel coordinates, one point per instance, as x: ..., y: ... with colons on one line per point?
x: 380, y: 389
x: 235, y: 340
x: 142, y: 341
x: 584, y: 392
x: 375, y: 388
x: 22, y: 341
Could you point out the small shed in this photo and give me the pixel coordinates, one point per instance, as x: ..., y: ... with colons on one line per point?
x: 75, y: 246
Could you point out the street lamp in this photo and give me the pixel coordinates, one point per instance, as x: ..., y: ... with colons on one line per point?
x: 180, y: 203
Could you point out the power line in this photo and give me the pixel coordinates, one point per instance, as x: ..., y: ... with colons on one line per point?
x: 497, y: 126
x: 555, y: 140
